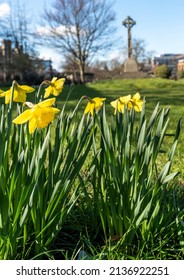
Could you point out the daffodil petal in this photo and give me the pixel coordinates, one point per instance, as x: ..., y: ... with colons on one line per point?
x: 7, y: 97
x: 136, y: 96
x: 24, y: 117
x: 136, y: 102
x: 53, y: 80
x: 56, y: 92
x: 19, y: 96
x: 25, y: 88
x: 121, y: 107
x: 2, y: 94
x: 32, y: 125
x: 125, y: 99
x: 47, y: 92
x: 92, y: 108
x: 138, y: 106
x: 59, y: 83
x: 87, y: 109
x: 114, y: 104
x: 47, y: 103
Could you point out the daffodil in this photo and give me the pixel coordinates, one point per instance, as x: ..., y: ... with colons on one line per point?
x: 19, y: 93
x: 55, y: 87
x: 136, y: 102
x: 94, y: 104
x: 128, y: 101
x: 120, y: 103
x: 39, y: 115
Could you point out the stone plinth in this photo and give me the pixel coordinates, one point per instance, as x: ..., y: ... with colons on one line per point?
x: 130, y: 65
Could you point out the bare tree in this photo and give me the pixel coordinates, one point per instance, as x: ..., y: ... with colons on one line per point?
x: 15, y: 27
x: 79, y: 28
x: 139, y: 49
x: 70, y: 63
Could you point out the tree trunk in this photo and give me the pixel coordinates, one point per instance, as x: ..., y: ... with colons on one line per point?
x: 81, y: 71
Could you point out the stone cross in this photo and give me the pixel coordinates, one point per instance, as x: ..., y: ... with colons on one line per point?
x: 129, y: 23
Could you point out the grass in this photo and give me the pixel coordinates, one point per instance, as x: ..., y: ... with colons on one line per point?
x: 81, y: 230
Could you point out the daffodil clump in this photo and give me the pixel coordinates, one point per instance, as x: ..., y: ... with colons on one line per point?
x: 47, y: 174
x: 135, y: 102
x: 128, y: 101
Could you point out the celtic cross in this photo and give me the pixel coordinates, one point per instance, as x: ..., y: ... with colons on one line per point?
x: 129, y: 23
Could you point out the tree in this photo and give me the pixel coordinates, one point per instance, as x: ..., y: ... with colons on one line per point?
x: 162, y: 71
x: 139, y: 49
x: 79, y: 28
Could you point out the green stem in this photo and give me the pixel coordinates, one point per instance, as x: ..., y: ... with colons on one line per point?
x: 39, y: 93
x: 12, y: 94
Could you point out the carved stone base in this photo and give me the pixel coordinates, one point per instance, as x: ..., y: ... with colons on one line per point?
x: 130, y: 65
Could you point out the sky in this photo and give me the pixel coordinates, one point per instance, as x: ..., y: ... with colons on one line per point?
x: 158, y: 22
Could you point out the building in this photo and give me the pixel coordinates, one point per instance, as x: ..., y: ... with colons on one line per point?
x: 181, y: 65
x: 16, y: 64
x: 171, y: 60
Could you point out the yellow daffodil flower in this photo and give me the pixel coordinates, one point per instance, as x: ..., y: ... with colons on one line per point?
x: 55, y: 87
x: 119, y: 104
x: 94, y: 104
x: 136, y: 102
x: 39, y: 115
x: 19, y: 94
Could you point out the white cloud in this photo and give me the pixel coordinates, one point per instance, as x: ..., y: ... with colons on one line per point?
x: 46, y: 53
x: 4, y: 10
x: 41, y: 30
x: 61, y: 30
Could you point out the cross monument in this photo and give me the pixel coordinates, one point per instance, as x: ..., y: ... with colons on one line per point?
x: 130, y: 63
x: 129, y: 23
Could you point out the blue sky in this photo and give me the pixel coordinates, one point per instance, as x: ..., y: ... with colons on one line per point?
x: 159, y: 22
